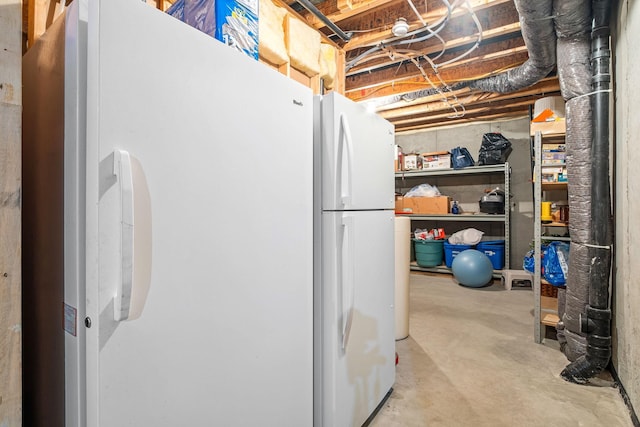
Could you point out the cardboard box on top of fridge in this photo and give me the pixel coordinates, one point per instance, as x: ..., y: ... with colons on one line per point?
x: 423, y: 205
x: 237, y: 25
x: 233, y: 22
x: 436, y: 160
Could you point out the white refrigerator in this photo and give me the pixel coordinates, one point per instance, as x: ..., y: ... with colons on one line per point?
x: 354, y: 279
x: 188, y: 284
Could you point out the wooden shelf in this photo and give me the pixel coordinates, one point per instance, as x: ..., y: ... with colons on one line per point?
x: 554, y: 224
x: 549, y: 307
x: 550, y: 319
x: 550, y: 186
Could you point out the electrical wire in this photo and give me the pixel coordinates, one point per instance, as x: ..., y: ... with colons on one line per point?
x: 477, y: 43
x: 430, y: 30
x: 443, y: 89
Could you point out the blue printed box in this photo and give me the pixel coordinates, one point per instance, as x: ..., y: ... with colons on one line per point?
x: 237, y: 25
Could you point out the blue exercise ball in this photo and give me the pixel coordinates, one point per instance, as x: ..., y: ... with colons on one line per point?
x: 472, y: 268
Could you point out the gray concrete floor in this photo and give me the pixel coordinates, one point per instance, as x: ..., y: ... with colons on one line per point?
x: 470, y: 360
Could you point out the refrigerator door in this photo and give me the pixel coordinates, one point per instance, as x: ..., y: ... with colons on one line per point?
x: 357, y: 295
x: 357, y: 156
x: 198, y: 280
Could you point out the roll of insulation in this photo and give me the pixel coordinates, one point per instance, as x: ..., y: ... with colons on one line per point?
x: 402, y: 257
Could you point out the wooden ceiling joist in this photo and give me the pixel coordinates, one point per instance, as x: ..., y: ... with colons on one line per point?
x: 468, y: 97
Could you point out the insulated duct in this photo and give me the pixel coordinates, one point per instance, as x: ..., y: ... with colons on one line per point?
x: 595, y: 322
x: 572, y: 26
x: 536, y: 24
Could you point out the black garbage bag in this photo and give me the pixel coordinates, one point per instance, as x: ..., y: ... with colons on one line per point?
x: 495, y: 149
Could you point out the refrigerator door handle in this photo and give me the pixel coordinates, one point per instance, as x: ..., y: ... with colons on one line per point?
x: 135, y: 232
x: 347, y: 279
x: 345, y: 179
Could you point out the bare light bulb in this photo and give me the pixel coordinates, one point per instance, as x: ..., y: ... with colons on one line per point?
x: 400, y: 28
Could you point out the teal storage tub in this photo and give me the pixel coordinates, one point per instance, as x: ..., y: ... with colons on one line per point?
x: 494, y: 249
x: 450, y: 252
x: 428, y: 252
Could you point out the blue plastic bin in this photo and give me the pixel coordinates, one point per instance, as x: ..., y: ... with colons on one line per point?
x: 494, y: 249
x: 450, y: 252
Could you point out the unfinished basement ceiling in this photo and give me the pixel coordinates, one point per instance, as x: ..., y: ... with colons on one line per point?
x: 467, y: 40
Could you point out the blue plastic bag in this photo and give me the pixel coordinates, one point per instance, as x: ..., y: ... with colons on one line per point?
x: 529, y: 262
x: 555, y: 262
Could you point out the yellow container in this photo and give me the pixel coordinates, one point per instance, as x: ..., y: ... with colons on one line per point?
x: 545, y: 212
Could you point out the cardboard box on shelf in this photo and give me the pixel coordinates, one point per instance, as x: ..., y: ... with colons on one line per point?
x: 436, y: 160
x: 423, y: 205
x: 556, y: 127
x: 412, y: 161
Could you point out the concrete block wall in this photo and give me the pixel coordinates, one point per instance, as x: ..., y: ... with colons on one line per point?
x: 626, y: 181
x: 469, y: 189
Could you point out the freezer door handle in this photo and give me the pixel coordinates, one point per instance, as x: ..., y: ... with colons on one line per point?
x: 135, y: 237
x: 344, y: 164
x: 347, y: 277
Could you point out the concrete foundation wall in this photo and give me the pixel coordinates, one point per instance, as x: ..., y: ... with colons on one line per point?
x: 626, y: 273
x: 468, y: 190
x: 10, y: 209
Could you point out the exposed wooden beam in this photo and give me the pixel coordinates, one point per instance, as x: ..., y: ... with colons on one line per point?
x: 41, y: 14
x: 461, y: 15
x: 336, y: 11
x: 465, y: 96
x: 389, y: 84
x: 495, y: 115
x: 445, y: 112
x: 487, y: 37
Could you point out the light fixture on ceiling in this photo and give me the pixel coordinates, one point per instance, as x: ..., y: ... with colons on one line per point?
x: 400, y: 28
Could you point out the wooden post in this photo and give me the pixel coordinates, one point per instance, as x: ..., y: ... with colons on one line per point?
x: 10, y: 212
x: 41, y: 14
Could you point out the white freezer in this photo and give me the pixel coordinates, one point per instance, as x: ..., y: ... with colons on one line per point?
x: 177, y: 187
x: 357, y: 146
x: 357, y: 294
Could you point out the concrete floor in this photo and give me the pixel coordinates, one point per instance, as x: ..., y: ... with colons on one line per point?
x: 470, y: 360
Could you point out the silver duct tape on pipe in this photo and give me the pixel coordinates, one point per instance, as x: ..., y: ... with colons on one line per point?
x: 575, y: 301
x: 578, y: 145
x: 572, y: 25
x: 576, y: 295
x: 574, y: 66
x: 572, y: 18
